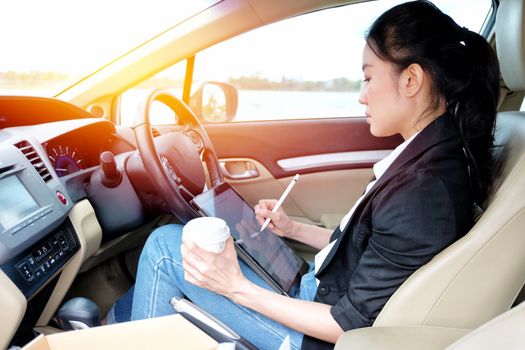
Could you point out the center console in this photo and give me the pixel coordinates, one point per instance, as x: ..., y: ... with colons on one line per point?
x: 30, y: 269
x: 36, y: 237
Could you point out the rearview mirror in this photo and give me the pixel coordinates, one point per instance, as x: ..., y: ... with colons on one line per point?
x: 215, y: 102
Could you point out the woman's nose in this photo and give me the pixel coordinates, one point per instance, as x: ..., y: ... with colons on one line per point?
x: 362, y: 96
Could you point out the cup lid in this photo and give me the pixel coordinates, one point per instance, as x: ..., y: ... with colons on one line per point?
x: 207, y: 230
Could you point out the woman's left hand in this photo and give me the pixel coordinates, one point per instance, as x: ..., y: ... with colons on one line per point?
x: 219, y: 273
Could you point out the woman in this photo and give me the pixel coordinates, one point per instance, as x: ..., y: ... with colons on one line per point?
x: 425, y: 78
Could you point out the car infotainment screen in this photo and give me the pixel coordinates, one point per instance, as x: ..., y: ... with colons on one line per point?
x: 15, y: 202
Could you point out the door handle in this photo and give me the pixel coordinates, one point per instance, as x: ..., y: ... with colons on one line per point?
x: 239, y: 169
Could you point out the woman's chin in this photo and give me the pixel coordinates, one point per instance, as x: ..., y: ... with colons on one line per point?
x: 373, y: 129
x: 378, y: 132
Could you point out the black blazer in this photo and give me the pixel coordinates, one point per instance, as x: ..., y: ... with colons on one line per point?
x: 421, y: 204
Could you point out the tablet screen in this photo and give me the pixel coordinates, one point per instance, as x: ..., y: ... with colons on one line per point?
x: 267, y: 249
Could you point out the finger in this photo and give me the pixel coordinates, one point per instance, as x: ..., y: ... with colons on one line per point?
x: 190, y: 248
x: 260, y: 218
x: 192, y: 275
x: 259, y: 210
x: 201, y: 254
x: 274, y: 217
x: 265, y: 213
x: 229, y: 249
x: 193, y: 261
x: 187, y: 257
x: 261, y: 204
x: 200, y: 272
x: 267, y: 204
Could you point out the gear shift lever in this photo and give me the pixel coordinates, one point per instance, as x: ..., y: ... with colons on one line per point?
x: 78, y: 313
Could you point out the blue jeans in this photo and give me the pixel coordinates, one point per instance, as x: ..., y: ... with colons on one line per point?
x: 160, y: 277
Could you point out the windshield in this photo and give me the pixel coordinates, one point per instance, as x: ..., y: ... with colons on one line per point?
x: 49, y: 44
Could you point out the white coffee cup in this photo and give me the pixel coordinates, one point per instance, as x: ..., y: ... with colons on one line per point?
x: 209, y: 233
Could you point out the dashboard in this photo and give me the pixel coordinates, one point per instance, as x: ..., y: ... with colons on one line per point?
x: 49, y: 156
x: 55, y: 209
x: 69, y: 155
x: 79, y: 148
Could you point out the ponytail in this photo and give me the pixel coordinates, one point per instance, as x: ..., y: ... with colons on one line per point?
x: 473, y: 105
x: 464, y: 71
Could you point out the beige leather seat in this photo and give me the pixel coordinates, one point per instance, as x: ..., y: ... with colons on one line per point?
x: 478, y: 277
x: 505, y: 332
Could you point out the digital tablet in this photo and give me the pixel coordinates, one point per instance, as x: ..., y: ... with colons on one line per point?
x: 266, y: 253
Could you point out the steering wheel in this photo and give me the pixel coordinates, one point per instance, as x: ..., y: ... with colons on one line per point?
x: 173, y: 161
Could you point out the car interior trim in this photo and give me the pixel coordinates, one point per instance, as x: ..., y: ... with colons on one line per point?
x: 331, y: 159
x: 510, y: 47
x: 13, y: 304
x: 51, y: 130
x: 503, y: 332
x: 400, y: 338
x: 294, y: 139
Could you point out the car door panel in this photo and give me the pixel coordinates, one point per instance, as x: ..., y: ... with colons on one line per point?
x: 333, y: 156
x: 272, y: 141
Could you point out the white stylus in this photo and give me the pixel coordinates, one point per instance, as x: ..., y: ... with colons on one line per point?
x: 281, y: 200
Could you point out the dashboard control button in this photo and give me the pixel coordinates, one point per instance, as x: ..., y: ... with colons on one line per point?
x: 62, y: 198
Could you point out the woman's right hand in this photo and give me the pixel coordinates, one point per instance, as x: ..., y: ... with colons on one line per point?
x: 280, y: 223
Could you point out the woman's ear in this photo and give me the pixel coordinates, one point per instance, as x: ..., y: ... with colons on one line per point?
x: 412, y: 79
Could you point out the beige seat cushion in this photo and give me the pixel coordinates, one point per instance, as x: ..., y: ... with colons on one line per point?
x: 506, y: 332
x: 399, y: 338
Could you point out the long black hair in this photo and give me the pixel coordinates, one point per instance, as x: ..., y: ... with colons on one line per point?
x: 463, y: 68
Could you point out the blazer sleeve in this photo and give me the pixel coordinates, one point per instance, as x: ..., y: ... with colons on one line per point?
x: 412, y: 220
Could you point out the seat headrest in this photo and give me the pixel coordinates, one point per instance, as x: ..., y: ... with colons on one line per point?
x: 510, y: 43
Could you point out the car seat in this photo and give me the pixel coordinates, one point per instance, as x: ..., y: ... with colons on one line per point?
x: 503, y: 332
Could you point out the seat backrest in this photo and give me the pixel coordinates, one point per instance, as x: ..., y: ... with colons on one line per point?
x: 479, y: 276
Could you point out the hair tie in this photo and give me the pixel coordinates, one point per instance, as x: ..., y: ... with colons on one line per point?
x: 463, y: 34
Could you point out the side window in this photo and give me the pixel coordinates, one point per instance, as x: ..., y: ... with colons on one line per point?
x: 171, y: 79
x: 308, y: 66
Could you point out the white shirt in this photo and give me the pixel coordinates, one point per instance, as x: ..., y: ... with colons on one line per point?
x: 379, y: 169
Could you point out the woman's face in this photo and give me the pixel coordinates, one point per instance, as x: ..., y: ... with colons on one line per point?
x: 386, y: 109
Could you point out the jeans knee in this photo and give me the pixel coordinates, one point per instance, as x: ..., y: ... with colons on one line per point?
x: 164, y: 241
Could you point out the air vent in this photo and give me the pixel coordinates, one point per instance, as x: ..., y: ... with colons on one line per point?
x: 34, y: 159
